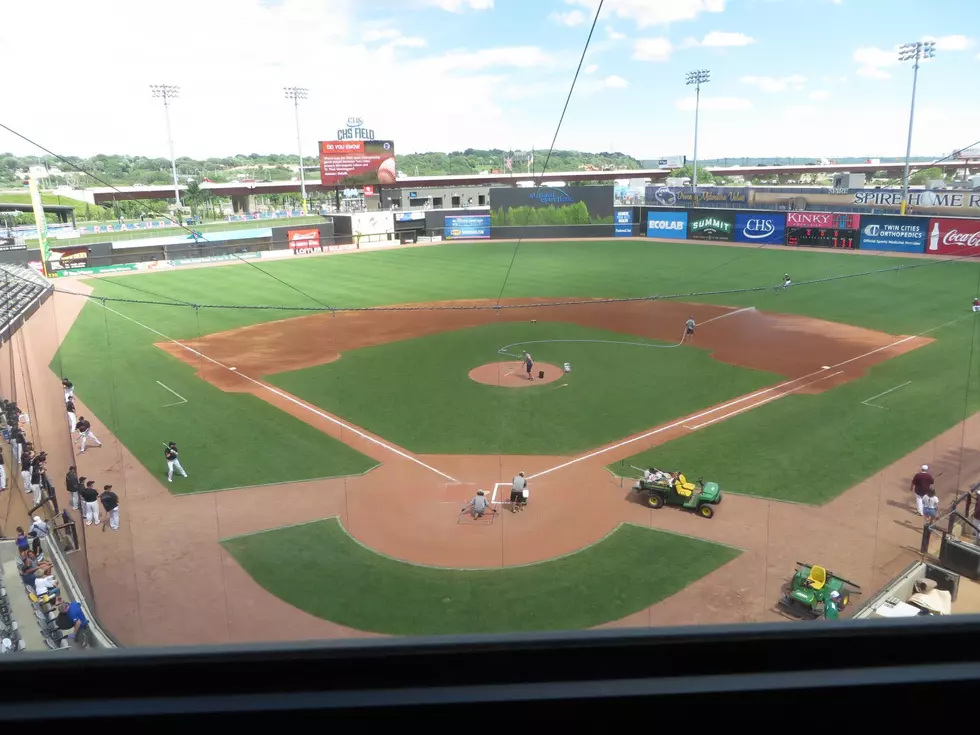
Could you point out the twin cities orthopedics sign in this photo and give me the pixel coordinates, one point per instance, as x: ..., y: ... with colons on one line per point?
x: 355, y: 130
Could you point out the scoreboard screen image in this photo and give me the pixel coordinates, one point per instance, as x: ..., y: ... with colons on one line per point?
x: 822, y: 237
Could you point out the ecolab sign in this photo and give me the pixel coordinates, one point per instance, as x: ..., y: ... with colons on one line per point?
x: 764, y: 229
x: 670, y: 225
x: 954, y: 237
x: 308, y: 240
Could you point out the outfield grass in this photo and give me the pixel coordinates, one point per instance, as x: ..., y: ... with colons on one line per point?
x: 331, y: 576
x: 802, y: 436
x: 399, y: 390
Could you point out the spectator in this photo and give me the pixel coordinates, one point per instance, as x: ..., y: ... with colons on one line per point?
x: 45, y: 584
x: 32, y: 567
x: 110, y: 501
x: 921, y: 483
x: 40, y: 528
x: 22, y: 543
x: 71, y: 484
x: 90, y: 503
x: 80, y: 630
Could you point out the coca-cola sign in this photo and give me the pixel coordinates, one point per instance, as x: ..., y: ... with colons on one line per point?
x: 953, y: 237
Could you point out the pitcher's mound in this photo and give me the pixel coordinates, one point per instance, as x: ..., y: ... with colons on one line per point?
x: 513, y: 375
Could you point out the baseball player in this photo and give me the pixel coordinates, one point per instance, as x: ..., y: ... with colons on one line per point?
x: 787, y: 281
x: 976, y: 305
x: 110, y: 501
x: 173, y: 461
x: 70, y: 408
x: 72, y: 483
x: 689, y: 331
x: 84, y: 429
x: 90, y: 503
x: 68, y: 387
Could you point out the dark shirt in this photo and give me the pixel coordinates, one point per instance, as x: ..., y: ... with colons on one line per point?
x: 36, y: 475
x: 67, y: 384
x: 89, y: 494
x: 71, y: 482
x: 82, y: 426
x: 70, y: 406
x: 25, y: 463
x: 109, y: 500
x: 170, y: 454
x: 922, y: 482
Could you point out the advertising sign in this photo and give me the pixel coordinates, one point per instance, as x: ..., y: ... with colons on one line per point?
x: 954, y: 237
x: 357, y: 162
x: 757, y: 227
x: 551, y: 205
x: 667, y: 225
x: 409, y: 216
x: 623, y: 222
x: 711, y: 225
x: 823, y: 237
x: 669, y: 196
x: 897, y: 235
x: 823, y: 219
x: 671, y: 161
x: 68, y: 258
x: 307, y: 240
x: 469, y: 227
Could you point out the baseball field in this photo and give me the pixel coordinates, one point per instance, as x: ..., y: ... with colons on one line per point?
x: 341, y: 411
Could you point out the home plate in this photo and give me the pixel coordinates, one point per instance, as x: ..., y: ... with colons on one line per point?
x: 825, y: 367
x: 235, y: 369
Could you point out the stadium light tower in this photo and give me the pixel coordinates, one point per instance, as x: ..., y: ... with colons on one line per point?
x: 296, y: 94
x: 913, y: 52
x: 697, y: 78
x: 167, y: 92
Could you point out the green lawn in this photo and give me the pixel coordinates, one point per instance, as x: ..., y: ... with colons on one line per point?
x: 333, y: 577
x: 399, y: 390
x: 801, y: 436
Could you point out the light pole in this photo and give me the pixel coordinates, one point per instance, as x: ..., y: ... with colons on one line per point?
x: 167, y: 92
x: 697, y: 78
x: 296, y: 94
x: 913, y: 52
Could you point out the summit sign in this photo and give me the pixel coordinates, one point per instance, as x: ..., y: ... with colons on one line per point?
x: 711, y: 226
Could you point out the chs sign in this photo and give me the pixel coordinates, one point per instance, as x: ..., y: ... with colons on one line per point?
x: 355, y: 130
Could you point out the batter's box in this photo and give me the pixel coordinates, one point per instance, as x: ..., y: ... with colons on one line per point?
x: 453, y: 492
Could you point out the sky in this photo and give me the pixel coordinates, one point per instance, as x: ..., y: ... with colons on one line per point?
x: 787, y: 77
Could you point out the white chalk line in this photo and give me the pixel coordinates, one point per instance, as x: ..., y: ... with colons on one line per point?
x: 286, y: 396
x: 182, y: 399
x: 867, y: 401
x: 762, y: 403
x: 674, y: 425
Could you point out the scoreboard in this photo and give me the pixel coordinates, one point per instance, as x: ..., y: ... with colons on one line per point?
x: 822, y: 237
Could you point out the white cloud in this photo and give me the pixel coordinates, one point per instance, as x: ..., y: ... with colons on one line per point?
x: 517, y: 57
x: 615, y: 82
x: 819, y: 94
x: 614, y: 35
x: 686, y: 104
x: 571, y: 18
x: 458, y: 6
x: 392, y: 37
x: 648, y: 13
x: 590, y: 69
x: 872, y: 61
x: 652, y: 49
x: 952, y: 43
x: 719, y: 39
x: 776, y: 84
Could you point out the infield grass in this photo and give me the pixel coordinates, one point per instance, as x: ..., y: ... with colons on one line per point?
x: 401, y: 390
x: 782, y: 449
x: 331, y: 576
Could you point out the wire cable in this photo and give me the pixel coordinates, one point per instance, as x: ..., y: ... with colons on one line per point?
x: 196, y: 234
x: 554, y: 139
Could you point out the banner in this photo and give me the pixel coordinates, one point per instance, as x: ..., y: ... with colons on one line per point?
x: 833, y: 220
x: 894, y: 234
x: 303, y: 239
x: 322, y: 249
x: 669, y: 196
x: 623, y: 223
x: 667, y: 225
x: 513, y: 206
x: 357, y: 162
x: 68, y: 259
x: 764, y: 229
x: 95, y: 270
x: 469, y: 227
x: 954, y: 237
x: 711, y: 225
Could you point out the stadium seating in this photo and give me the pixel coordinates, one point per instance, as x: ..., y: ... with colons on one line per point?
x: 20, y: 287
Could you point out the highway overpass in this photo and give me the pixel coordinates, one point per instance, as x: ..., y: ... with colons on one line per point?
x: 105, y: 195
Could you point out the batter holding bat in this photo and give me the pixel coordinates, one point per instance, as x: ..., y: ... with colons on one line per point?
x: 173, y: 461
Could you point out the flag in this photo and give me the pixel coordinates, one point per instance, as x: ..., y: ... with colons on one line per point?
x: 509, y: 163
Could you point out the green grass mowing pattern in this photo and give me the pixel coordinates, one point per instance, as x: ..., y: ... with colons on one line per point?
x: 417, y: 393
x: 225, y: 439
x: 333, y: 577
x: 899, y: 302
x: 811, y: 448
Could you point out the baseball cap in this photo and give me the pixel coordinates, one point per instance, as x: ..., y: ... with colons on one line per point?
x: 925, y: 468
x: 834, y: 595
x: 37, y: 519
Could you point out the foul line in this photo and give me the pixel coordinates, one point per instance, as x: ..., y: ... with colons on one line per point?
x: 182, y: 399
x: 867, y: 401
x: 286, y: 396
x: 762, y: 403
x: 674, y: 425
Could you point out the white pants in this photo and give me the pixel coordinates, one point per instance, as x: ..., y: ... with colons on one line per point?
x: 918, y: 503
x: 114, y: 518
x: 71, y: 422
x: 91, y: 512
x: 69, y: 392
x: 74, y: 501
x: 174, y: 464
x: 25, y: 478
x: 3, y: 477
x: 18, y: 447
x: 976, y: 308
x: 89, y: 435
x: 36, y: 489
